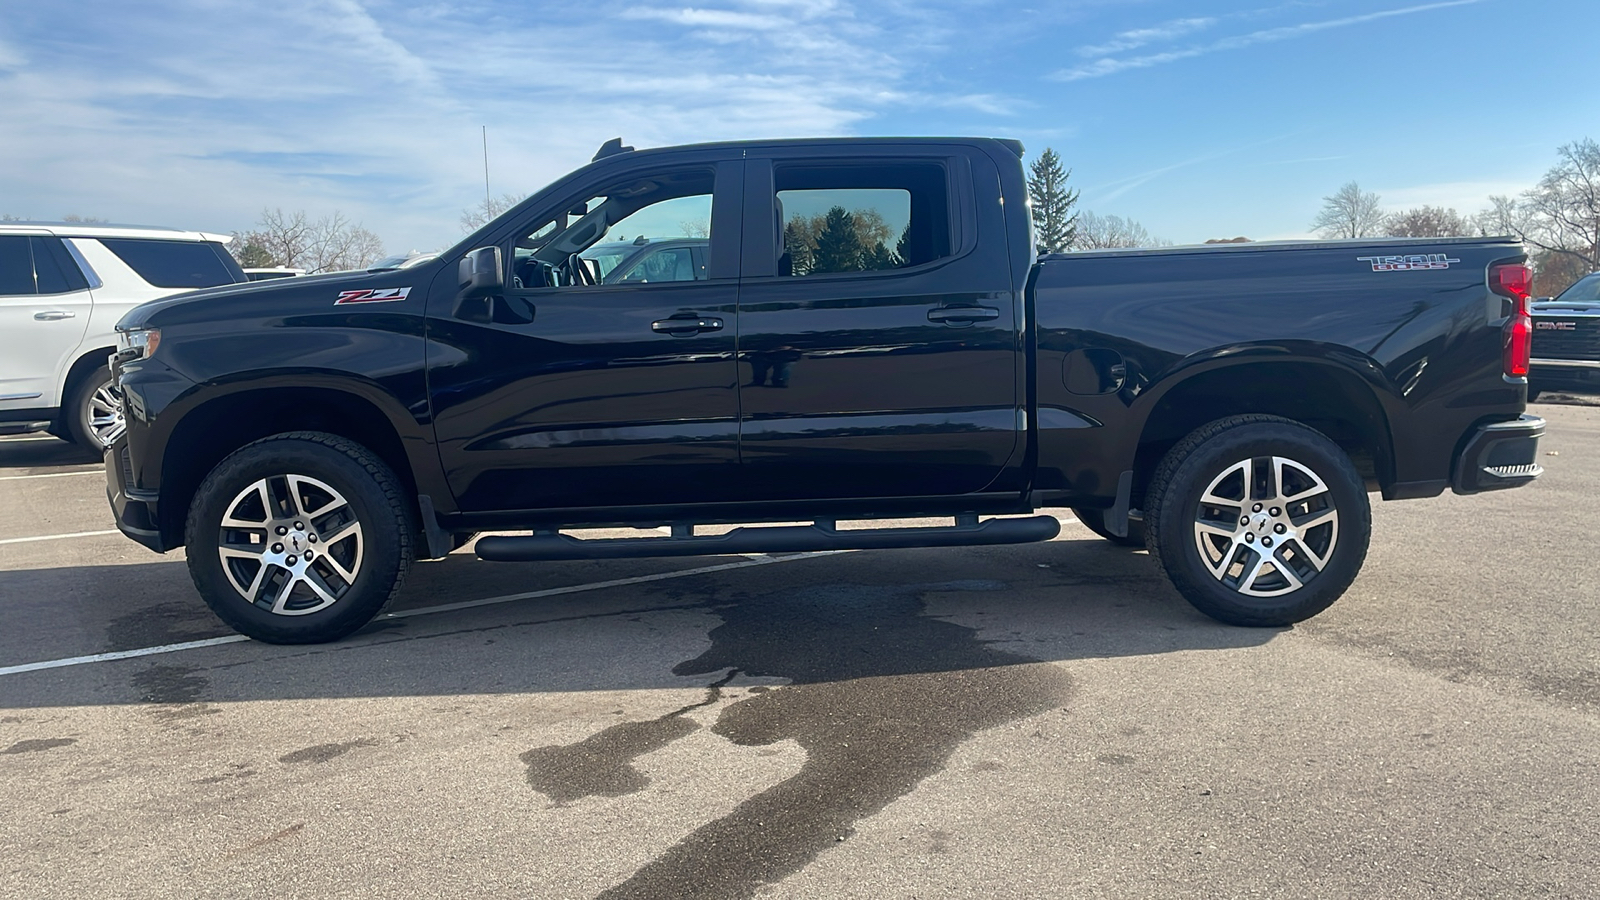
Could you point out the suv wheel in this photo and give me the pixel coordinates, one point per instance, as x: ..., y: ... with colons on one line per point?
x: 94, y: 411
x: 1258, y: 520
x: 299, y: 538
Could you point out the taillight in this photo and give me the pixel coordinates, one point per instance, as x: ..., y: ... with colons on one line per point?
x: 1516, y: 282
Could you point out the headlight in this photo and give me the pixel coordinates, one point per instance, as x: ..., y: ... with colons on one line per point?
x: 137, y: 344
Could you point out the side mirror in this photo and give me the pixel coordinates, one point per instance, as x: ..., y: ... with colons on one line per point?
x: 481, y: 273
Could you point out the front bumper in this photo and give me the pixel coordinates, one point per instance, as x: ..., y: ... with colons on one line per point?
x: 134, y: 510
x: 1499, y: 455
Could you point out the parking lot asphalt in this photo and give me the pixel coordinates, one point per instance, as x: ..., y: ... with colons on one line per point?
x: 1047, y: 720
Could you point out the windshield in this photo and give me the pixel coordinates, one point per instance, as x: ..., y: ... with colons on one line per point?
x: 1586, y: 290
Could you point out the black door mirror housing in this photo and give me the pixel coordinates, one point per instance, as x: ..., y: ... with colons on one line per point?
x: 481, y: 273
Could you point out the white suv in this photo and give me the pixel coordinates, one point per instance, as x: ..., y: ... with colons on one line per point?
x: 62, y: 289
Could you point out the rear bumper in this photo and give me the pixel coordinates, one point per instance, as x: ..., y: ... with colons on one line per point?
x: 1555, y: 374
x: 1499, y: 455
x: 134, y: 510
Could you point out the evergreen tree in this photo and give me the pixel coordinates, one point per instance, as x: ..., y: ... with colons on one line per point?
x: 1055, y: 223
x: 838, y: 244
x: 797, y: 243
x: 879, y: 257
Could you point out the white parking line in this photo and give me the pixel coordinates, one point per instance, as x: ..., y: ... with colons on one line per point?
x: 51, y: 475
x: 420, y: 611
x: 57, y: 537
x: 24, y: 440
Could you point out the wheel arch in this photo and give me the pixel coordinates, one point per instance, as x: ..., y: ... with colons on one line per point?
x: 86, y: 362
x: 1343, y: 399
x: 220, y: 423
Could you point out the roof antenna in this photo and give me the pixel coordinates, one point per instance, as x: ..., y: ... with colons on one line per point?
x: 610, y: 148
x: 488, y: 205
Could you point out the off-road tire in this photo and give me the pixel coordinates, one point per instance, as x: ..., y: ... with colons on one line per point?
x: 367, y: 486
x: 1173, y: 514
x: 1095, y: 521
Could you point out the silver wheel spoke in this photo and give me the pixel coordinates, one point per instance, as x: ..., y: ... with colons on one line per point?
x: 1266, y: 540
x: 1211, y: 497
x: 269, y: 526
x: 314, y: 581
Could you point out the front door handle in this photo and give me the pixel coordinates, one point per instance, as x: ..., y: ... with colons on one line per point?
x: 686, y: 326
x: 53, y: 315
x: 962, y: 315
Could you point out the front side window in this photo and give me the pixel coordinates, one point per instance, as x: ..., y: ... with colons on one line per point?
x: 16, y: 266
x: 176, y: 264
x: 616, y: 236
x: 861, y: 218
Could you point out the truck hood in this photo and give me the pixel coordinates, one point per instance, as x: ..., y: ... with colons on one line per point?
x: 226, y: 297
x: 1569, y: 308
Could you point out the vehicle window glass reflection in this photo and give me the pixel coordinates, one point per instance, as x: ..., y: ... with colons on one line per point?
x: 644, y: 230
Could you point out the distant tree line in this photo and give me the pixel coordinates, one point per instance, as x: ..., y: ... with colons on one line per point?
x: 842, y: 240
x: 1558, y: 218
x: 329, y: 244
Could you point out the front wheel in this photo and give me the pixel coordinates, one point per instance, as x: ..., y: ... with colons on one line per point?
x: 299, y: 538
x: 1258, y: 520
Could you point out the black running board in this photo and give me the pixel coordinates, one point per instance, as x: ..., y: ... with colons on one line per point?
x: 822, y: 535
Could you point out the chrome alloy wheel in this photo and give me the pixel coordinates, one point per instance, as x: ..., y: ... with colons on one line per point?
x: 1266, y: 526
x: 103, y: 414
x: 290, y: 544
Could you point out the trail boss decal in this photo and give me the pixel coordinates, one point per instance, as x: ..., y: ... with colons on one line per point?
x: 372, y: 295
x: 1408, y: 263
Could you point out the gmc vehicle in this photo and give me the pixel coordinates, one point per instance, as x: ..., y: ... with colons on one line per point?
x: 874, y: 338
x: 1566, y: 340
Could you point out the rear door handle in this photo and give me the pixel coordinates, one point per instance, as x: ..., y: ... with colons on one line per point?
x: 962, y: 315
x: 52, y: 315
x: 686, y: 326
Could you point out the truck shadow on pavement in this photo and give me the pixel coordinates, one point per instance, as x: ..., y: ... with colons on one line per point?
x: 878, y: 665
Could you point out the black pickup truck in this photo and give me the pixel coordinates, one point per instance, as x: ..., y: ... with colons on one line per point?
x: 871, y: 336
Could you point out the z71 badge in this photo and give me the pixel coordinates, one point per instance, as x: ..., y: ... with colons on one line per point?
x: 372, y: 295
x: 1408, y: 263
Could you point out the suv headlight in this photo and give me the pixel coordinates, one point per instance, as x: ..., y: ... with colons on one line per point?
x: 137, y: 343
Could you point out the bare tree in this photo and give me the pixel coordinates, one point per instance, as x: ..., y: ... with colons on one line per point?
x: 328, y: 244
x: 1566, y: 206
x: 1559, y: 218
x: 1097, y: 232
x: 1426, y: 222
x: 475, y: 217
x: 1349, y: 213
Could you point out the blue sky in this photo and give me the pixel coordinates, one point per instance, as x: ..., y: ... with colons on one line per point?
x: 1199, y: 119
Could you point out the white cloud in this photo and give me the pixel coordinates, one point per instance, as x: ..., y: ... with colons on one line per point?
x: 1110, y: 66
x: 1132, y: 40
x: 1465, y: 197
x: 199, y: 115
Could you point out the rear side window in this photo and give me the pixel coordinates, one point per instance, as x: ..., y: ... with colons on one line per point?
x: 55, y: 268
x: 176, y: 264
x: 16, y: 265
x: 860, y: 218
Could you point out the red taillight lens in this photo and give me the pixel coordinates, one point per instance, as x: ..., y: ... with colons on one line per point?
x: 1516, y: 282
x: 1512, y: 281
x: 1519, y: 341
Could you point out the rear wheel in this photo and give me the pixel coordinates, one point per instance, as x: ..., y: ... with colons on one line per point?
x: 299, y: 538
x: 1258, y: 520
x: 94, y: 411
x: 1095, y: 521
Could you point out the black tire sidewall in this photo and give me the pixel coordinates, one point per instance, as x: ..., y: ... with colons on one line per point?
x: 385, y: 552
x: 76, y: 415
x: 1180, y: 500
